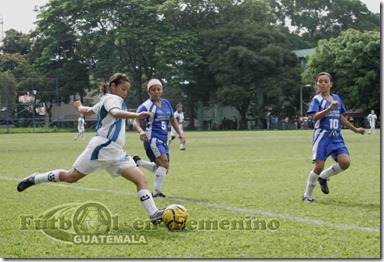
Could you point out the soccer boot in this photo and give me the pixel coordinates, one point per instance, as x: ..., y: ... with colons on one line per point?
x: 306, y: 199
x: 157, y: 218
x: 323, y: 185
x: 158, y: 195
x: 26, y: 182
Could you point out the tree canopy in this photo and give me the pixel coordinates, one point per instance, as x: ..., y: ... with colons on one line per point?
x: 353, y: 60
x: 236, y: 53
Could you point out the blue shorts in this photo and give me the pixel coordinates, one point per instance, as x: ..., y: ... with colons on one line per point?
x: 327, y: 143
x: 155, y: 148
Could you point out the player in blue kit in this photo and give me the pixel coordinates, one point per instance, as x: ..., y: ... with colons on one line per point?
x: 156, y: 134
x: 327, y: 110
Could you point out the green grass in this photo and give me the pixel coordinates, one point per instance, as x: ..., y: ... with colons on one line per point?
x: 257, y: 175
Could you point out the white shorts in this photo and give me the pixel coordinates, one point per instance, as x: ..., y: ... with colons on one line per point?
x: 173, y: 131
x: 81, y: 130
x: 100, y: 154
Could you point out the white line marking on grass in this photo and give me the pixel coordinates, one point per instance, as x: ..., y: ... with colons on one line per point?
x: 286, y: 217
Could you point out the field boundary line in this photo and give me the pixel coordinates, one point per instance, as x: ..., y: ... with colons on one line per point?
x: 286, y: 217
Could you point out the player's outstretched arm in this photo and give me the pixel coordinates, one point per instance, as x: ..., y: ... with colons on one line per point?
x: 122, y: 114
x: 85, y: 110
x: 348, y: 124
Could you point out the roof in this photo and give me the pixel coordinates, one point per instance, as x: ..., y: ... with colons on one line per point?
x: 304, y: 52
x: 355, y: 112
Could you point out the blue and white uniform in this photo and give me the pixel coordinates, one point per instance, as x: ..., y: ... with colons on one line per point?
x: 180, y: 120
x: 327, y: 138
x: 156, y: 127
x: 105, y: 149
x: 80, y: 125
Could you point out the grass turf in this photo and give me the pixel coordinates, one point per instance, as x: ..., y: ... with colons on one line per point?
x: 250, y: 176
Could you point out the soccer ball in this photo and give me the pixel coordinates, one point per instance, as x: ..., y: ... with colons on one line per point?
x: 175, y: 217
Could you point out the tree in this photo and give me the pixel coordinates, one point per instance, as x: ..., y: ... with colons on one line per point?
x: 353, y: 59
x: 245, y: 63
x: 19, y: 71
x: 16, y: 42
x: 319, y: 19
x: 182, y: 56
x: 8, y: 87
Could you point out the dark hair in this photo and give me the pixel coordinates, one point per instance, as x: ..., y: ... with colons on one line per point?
x: 116, y: 78
x: 324, y: 74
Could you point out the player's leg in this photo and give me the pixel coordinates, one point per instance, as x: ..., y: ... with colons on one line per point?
x: 320, y: 151
x: 181, y: 144
x: 78, y: 133
x: 161, y: 172
x: 135, y: 175
x: 340, y: 155
x: 311, y: 181
x: 335, y: 168
x: 128, y: 169
x: 82, y: 166
x: 57, y: 175
x: 172, y: 137
x: 342, y: 163
x: 150, y: 166
x: 157, y: 152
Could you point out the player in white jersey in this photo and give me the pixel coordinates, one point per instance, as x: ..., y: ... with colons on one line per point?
x: 179, y: 115
x: 372, y: 122
x: 80, y: 127
x: 105, y: 149
x: 327, y: 110
x: 156, y: 134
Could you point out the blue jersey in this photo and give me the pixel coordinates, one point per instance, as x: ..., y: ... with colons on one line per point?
x: 332, y: 121
x: 157, y: 126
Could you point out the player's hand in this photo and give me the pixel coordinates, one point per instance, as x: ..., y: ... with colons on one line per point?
x: 360, y: 130
x: 77, y: 104
x: 143, y: 115
x: 143, y: 136
x: 334, y: 104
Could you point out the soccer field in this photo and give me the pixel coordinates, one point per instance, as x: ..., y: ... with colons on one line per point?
x: 242, y: 189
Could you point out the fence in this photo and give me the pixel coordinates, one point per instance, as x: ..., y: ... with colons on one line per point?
x: 29, y: 102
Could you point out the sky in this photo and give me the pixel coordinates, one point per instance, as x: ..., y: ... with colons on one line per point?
x: 19, y: 14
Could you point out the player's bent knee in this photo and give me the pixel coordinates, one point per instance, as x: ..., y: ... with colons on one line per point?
x: 318, y: 168
x: 344, y: 165
x: 70, y: 178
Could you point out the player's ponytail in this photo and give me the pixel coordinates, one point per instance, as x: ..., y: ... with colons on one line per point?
x: 103, y: 88
x: 117, y: 79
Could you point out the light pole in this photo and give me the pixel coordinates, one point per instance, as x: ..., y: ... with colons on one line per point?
x: 301, y: 98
